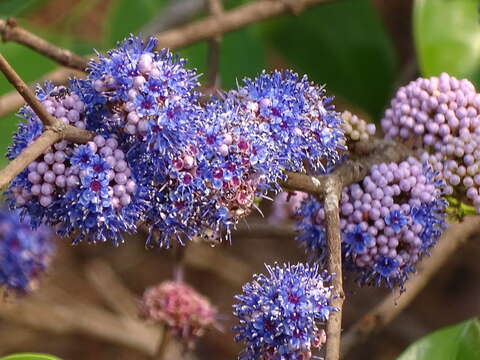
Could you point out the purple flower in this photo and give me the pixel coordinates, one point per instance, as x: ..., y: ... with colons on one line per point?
x: 24, y: 253
x: 396, y: 220
x: 82, y: 157
x: 386, y: 266
x: 357, y: 240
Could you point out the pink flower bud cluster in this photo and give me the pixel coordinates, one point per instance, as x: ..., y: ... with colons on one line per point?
x: 51, y: 174
x: 121, y: 185
x: 187, y: 313
x: 442, y: 115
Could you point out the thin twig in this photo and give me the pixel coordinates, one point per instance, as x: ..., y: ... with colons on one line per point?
x: 179, y: 262
x: 213, y: 55
x: 30, y: 153
x: 11, y: 31
x: 27, y: 94
x: 332, y: 227
x: 75, y: 317
x: 394, y: 304
x: 351, y: 171
x: 111, y: 288
x: 175, y: 13
x: 12, y: 100
x: 55, y: 130
x: 235, y: 19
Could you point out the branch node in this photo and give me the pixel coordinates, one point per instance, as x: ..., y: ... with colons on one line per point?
x: 12, y: 22
x: 59, y: 127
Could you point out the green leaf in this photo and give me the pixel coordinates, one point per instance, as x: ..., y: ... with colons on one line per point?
x: 30, y: 356
x: 129, y: 16
x: 343, y: 45
x: 241, y: 55
x: 447, y: 37
x: 459, y: 342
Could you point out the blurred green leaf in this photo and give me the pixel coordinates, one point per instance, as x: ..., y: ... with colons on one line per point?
x: 196, y: 55
x: 30, y: 356
x: 30, y: 66
x: 129, y: 16
x: 343, y: 45
x: 447, y: 37
x: 459, y: 342
x: 242, y: 54
x: 18, y: 7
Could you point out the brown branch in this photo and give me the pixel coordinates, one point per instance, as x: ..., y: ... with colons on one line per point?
x: 26, y: 93
x: 111, y: 288
x: 332, y: 226
x: 15, y: 337
x: 232, y: 20
x: 213, y: 55
x: 394, y: 304
x: 175, y: 13
x: 55, y: 130
x: 11, y: 31
x: 351, y: 171
x: 329, y: 187
x: 12, y: 101
x: 30, y: 153
x: 229, y: 268
x: 86, y: 319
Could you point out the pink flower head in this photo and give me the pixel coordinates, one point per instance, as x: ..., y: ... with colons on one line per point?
x: 180, y: 307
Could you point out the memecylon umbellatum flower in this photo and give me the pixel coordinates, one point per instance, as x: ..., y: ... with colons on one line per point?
x: 185, y: 312
x: 24, y: 253
x: 296, y: 117
x: 87, y: 189
x: 389, y: 221
x: 281, y: 313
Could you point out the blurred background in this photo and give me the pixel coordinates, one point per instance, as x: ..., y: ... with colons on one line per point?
x: 362, y: 50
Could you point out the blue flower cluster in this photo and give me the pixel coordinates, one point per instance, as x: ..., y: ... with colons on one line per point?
x: 389, y: 221
x: 297, y: 117
x: 183, y: 167
x: 24, y: 253
x: 280, y: 313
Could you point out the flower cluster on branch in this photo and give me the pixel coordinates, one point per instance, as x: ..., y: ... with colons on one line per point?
x: 161, y: 156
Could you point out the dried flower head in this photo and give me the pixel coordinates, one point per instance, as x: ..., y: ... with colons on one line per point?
x: 186, y: 313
